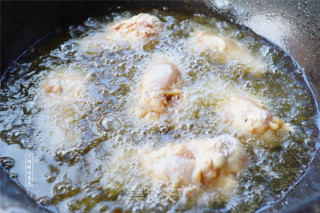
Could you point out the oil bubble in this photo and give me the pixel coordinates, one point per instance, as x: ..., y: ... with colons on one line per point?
x: 111, y: 123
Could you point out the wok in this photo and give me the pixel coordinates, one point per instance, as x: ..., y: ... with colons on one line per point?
x: 292, y: 25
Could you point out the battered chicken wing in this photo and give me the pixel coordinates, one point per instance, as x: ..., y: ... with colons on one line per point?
x: 213, y: 163
x: 158, y: 89
x: 215, y: 43
x: 222, y: 49
x: 127, y: 33
x: 62, y: 103
x: 64, y: 86
x: 137, y: 28
x: 250, y: 117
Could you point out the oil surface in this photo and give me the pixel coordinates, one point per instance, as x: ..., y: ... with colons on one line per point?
x: 94, y: 172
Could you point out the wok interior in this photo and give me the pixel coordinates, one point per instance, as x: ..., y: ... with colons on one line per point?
x: 308, y: 61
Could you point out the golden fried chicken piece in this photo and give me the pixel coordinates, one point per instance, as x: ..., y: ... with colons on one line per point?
x: 213, y: 42
x: 213, y: 163
x: 158, y: 89
x: 126, y: 33
x: 64, y: 86
x: 221, y: 49
x: 62, y: 102
x: 250, y: 117
x: 137, y: 28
